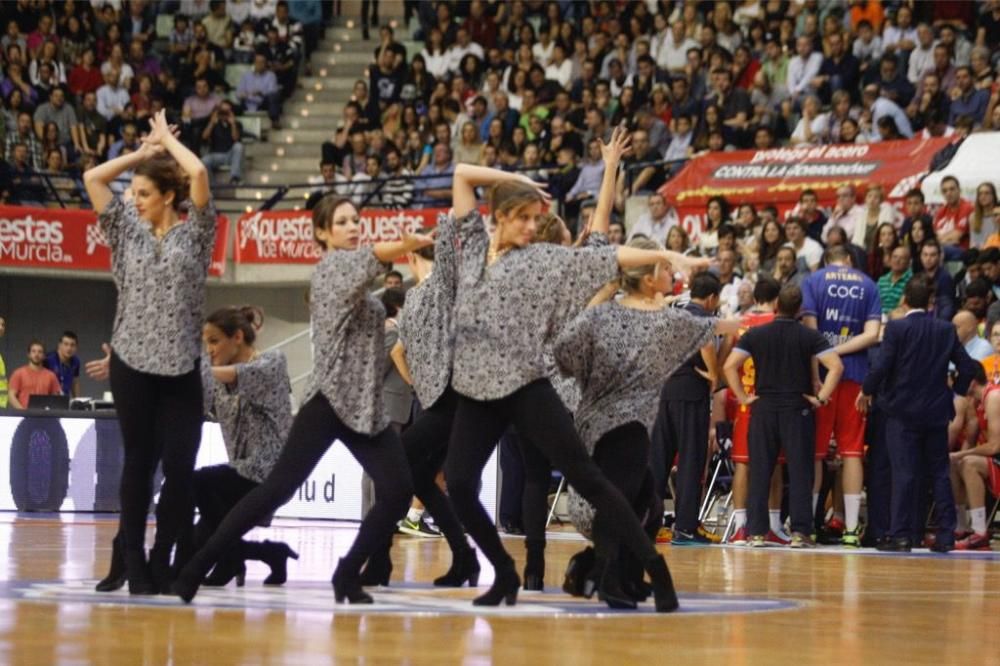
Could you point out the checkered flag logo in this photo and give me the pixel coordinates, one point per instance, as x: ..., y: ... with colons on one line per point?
x: 95, y: 237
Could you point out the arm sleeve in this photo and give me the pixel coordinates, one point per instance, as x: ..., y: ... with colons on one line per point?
x: 472, y: 236
x: 204, y: 221
x: 883, y: 362
x: 747, y: 342
x: 257, y: 381
x: 340, y: 282
x: 874, y: 301
x: 691, y: 332
x: 817, y: 343
x: 964, y: 363
x: 809, y: 305
x: 578, y: 273
x: 112, y: 218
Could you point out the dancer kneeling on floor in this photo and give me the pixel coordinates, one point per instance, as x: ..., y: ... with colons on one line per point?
x: 343, y: 402
x: 621, y: 352
x: 512, y: 297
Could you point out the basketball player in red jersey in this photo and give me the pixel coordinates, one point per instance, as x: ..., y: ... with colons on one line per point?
x: 765, y: 295
x: 976, y: 468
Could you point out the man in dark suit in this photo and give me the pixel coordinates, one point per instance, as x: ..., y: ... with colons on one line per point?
x: 911, y: 375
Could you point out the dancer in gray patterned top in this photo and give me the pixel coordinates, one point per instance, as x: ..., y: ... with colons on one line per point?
x: 159, y: 264
x: 512, y: 298
x: 250, y: 395
x: 424, y: 357
x: 344, y: 401
x: 621, y: 352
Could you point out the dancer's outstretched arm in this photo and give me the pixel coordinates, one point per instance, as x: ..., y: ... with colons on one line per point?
x: 468, y: 177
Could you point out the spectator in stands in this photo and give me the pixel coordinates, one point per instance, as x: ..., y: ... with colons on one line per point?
x: 281, y: 59
x: 91, y: 131
x: 435, y: 191
x: 63, y: 362
x: 180, y: 40
x: 56, y: 111
x: 116, y: 62
x: 218, y: 26
x: 588, y: 183
x: 940, y: 279
x: 985, y: 221
x: 112, y: 97
x: 366, y: 187
x: 656, y: 222
x: 85, y: 76
x: 245, y: 43
x: 875, y: 108
x: 223, y: 136
x: 921, y: 58
x: 32, y: 379
x: 398, y: 189
x: 129, y: 140
x: 883, y: 242
x: 805, y: 247
x: 309, y: 13
x: 24, y: 135
x: 258, y: 89
x: 197, y: 112
x: 616, y: 233
x: 803, y: 69
x: 840, y: 70
x: 951, y: 222
x: 892, y: 84
x: 967, y: 328
x: 966, y: 99
x: 942, y: 67
x: 892, y: 284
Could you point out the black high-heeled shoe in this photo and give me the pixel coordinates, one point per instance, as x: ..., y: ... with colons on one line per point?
x: 377, y: 569
x: 663, y: 586
x: 504, y: 589
x: 190, y: 578
x: 137, y: 571
x: 610, y: 589
x: 159, y: 569
x: 576, y: 572
x: 116, y: 577
x: 464, y: 567
x: 347, y: 586
x: 277, y: 559
x: 224, y: 572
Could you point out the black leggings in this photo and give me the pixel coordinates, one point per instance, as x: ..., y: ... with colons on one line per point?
x: 426, y: 446
x: 535, y: 496
x: 217, y: 489
x: 160, y: 419
x: 623, y: 456
x: 537, y: 413
x: 314, y: 429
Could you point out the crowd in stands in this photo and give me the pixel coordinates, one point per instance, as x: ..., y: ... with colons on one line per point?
x: 78, y: 81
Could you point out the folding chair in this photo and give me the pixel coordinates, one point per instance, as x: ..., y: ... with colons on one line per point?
x: 718, y: 491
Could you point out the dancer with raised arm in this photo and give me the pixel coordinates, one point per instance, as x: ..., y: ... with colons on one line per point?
x: 343, y: 402
x: 620, y: 352
x: 512, y: 298
x: 159, y: 263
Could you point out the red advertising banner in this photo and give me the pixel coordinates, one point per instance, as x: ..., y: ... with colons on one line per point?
x: 286, y: 236
x: 69, y: 239
x: 777, y: 177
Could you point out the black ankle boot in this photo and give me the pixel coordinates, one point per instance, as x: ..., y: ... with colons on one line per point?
x: 610, y: 588
x: 276, y: 557
x: 137, y: 570
x: 226, y: 570
x: 504, y: 588
x: 576, y: 572
x: 190, y: 577
x: 159, y: 569
x: 464, y: 567
x: 663, y: 586
x: 534, y: 567
x: 377, y: 569
x: 116, y: 577
x: 347, y: 586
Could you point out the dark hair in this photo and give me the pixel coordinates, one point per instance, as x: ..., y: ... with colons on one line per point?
x: 246, y: 318
x: 726, y: 229
x: 35, y: 342
x: 766, y: 290
x: 931, y: 242
x: 322, y: 215
x: 705, y: 285
x: 167, y: 176
x: 915, y: 192
x: 837, y: 253
x: 393, y: 299
x: 393, y: 273
x: 789, y: 300
x: 69, y: 334
x: 978, y: 288
x: 918, y: 292
x: 952, y: 179
x: 807, y: 193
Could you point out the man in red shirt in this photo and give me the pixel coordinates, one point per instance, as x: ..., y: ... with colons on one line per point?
x: 951, y: 222
x: 32, y: 379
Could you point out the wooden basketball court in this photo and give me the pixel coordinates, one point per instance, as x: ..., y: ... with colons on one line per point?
x: 739, y: 606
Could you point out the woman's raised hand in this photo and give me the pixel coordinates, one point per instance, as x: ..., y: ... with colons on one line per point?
x: 159, y: 130
x: 619, y: 145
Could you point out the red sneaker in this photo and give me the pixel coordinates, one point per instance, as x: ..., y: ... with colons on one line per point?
x: 777, y: 539
x: 739, y: 537
x: 974, y: 542
x: 665, y: 535
x: 836, y: 525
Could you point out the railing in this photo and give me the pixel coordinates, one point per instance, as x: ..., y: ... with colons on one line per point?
x: 389, y: 192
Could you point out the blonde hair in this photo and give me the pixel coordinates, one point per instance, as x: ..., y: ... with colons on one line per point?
x: 631, y: 278
x: 550, y: 229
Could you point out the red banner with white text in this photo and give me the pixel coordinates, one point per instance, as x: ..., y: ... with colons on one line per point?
x: 69, y: 239
x: 286, y: 236
x: 778, y: 176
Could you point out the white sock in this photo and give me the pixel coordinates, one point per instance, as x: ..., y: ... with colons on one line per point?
x: 774, y: 515
x: 852, y: 507
x: 963, y: 518
x: 414, y: 515
x: 978, y: 520
x: 815, y: 502
x: 739, y: 518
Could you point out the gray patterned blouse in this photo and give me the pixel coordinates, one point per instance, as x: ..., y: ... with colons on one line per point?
x: 425, y: 324
x: 348, y: 326
x: 161, y: 287
x: 255, y: 413
x: 505, y: 313
x: 620, y: 357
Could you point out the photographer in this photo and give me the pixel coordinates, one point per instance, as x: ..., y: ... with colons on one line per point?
x: 222, y: 135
